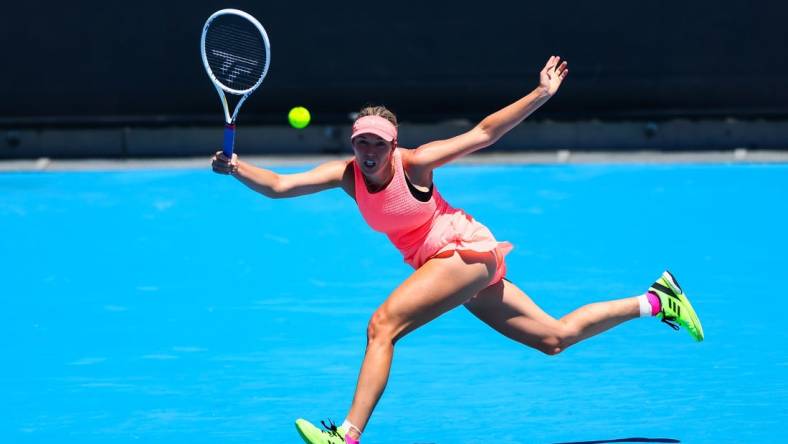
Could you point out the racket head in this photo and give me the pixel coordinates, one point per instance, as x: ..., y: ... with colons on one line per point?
x: 235, y: 51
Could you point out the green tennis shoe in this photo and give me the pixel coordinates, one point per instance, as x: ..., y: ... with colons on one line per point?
x: 676, y: 308
x: 312, y: 435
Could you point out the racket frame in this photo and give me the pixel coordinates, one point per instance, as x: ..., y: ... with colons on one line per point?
x: 221, y: 89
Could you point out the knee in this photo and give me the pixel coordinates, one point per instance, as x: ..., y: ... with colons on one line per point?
x: 380, y: 328
x: 551, y: 350
x: 559, y: 340
x: 551, y: 346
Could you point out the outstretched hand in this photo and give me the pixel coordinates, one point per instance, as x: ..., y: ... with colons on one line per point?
x: 553, y: 73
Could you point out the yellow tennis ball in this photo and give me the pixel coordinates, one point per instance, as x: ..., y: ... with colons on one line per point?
x: 299, y: 117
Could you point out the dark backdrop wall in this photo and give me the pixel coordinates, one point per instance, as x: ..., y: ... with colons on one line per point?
x: 138, y: 61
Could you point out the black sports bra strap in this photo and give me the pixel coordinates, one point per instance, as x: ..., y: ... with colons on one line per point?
x: 422, y: 196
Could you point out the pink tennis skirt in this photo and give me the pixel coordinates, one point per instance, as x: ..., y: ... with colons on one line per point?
x: 458, y: 231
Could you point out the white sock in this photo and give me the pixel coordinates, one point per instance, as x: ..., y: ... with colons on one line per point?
x: 645, y: 306
x: 347, y: 425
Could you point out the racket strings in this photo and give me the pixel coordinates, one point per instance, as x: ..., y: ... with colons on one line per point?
x: 236, y: 53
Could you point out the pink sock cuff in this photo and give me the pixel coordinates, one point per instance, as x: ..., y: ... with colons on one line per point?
x: 349, y: 439
x: 656, y: 306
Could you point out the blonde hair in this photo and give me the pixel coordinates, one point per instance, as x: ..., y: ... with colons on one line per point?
x: 378, y: 110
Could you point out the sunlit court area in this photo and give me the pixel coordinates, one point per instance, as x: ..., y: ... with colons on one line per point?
x: 461, y: 223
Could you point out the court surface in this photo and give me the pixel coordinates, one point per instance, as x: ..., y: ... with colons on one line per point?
x: 175, y: 306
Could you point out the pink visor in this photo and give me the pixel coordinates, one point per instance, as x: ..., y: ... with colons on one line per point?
x: 375, y: 125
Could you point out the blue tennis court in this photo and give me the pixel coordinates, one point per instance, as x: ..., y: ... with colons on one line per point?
x: 175, y: 306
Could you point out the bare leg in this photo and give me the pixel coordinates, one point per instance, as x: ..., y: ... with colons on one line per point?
x: 437, y: 287
x: 510, y: 311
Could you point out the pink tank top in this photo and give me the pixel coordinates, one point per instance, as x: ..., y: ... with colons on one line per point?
x: 418, y: 229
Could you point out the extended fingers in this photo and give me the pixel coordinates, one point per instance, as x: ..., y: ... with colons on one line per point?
x: 550, y: 63
x: 555, y: 66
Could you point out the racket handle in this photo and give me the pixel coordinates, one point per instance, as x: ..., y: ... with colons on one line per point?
x: 229, y: 140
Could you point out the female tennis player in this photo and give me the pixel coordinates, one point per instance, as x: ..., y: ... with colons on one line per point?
x: 457, y: 260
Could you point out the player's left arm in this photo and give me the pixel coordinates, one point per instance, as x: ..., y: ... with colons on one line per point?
x: 434, y: 154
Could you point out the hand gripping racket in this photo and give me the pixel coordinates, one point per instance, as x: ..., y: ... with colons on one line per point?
x: 236, y: 54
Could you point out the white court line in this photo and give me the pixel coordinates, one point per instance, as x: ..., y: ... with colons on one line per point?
x: 738, y: 155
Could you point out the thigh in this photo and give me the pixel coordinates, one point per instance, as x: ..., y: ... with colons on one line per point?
x: 510, y: 311
x: 438, y: 286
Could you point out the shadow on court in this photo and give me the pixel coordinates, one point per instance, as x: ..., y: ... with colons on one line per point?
x: 603, y: 441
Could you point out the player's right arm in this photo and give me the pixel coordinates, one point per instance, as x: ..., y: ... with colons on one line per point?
x: 332, y: 174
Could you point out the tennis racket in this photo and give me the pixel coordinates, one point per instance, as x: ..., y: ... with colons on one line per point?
x: 236, y: 54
